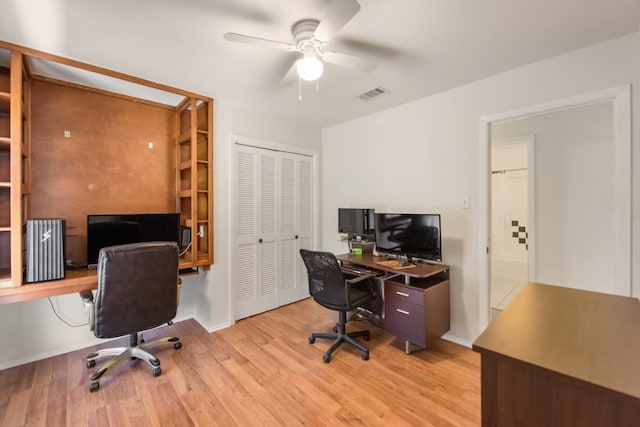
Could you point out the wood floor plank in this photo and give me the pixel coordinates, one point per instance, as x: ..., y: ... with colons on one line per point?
x: 260, y: 372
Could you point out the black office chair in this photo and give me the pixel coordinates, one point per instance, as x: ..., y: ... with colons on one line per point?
x: 138, y: 289
x: 329, y: 288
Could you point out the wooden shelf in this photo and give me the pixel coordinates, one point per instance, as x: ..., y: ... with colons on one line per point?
x: 5, y: 143
x: 5, y: 277
x: 5, y: 102
x: 184, y: 137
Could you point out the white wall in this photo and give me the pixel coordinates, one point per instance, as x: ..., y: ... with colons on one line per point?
x: 30, y: 331
x: 423, y: 156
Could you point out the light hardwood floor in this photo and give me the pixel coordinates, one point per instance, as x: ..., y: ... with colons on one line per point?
x: 260, y: 372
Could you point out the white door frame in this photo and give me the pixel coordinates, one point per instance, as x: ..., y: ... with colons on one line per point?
x: 621, y: 98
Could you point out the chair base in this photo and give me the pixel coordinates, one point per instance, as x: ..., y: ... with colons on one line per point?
x: 340, y: 336
x: 134, y: 351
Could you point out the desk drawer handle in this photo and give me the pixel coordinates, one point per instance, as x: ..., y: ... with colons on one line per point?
x: 403, y: 311
x: 402, y: 294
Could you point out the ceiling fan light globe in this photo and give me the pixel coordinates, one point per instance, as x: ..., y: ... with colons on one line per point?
x: 309, y: 68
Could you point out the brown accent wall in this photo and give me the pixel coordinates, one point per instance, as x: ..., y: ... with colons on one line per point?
x: 106, y: 165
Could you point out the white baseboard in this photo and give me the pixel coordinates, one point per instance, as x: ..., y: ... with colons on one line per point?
x: 456, y: 340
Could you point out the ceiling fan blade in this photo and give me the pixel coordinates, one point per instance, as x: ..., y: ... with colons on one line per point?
x: 340, y: 12
x: 257, y: 41
x: 351, y: 61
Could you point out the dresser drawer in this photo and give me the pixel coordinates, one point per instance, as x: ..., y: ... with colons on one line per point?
x: 404, y: 293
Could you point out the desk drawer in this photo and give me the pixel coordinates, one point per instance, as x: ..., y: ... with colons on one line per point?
x: 405, y: 320
x: 403, y: 293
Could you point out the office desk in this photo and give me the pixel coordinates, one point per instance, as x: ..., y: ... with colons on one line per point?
x: 416, y: 299
x: 562, y: 357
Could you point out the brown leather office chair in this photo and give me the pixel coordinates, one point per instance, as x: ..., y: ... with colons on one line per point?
x: 138, y: 289
x: 329, y: 288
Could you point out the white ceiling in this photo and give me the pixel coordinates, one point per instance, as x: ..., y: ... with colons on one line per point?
x: 423, y: 46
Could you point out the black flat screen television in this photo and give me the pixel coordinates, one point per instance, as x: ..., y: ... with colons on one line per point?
x: 120, y: 229
x: 410, y: 235
x: 356, y: 222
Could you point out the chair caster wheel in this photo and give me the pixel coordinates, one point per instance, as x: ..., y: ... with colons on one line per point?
x: 312, y: 340
x: 365, y: 356
x: 367, y: 337
x: 94, y: 387
x: 326, y: 358
x: 91, y: 364
x: 177, y: 345
x: 157, y: 372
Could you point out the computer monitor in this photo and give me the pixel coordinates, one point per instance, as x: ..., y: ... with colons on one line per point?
x: 118, y: 229
x: 356, y: 222
x: 409, y: 235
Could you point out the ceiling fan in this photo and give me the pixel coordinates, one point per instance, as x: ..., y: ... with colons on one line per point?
x: 310, y: 38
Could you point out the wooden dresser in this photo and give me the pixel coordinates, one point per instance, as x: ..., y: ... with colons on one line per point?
x: 562, y: 357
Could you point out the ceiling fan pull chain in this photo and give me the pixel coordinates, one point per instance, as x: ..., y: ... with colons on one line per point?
x: 317, y: 85
x: 299, y: 89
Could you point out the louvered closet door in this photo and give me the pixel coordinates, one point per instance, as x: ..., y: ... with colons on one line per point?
x: 246, y: 232
x: 304, y: 219
x: 268, y: 230
x: 255, y: 263
x: 294, y: 225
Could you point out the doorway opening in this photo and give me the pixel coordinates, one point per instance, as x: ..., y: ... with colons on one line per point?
x: 512, y: 217
x: 617, y: 201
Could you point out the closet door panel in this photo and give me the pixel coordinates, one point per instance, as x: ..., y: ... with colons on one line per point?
x: 245, y: 263
x: 287, y: 227
x: 268, y: 298
x: 304, y: 220
x: 296, y: 227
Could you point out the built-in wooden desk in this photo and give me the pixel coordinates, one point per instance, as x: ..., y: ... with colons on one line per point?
x: 562, y: 357
x: 74, y: 281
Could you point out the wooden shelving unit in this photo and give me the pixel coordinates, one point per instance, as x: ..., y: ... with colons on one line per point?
x: 5, y: 177
x: 15, y: 165
x: 188, y: 126
x: 195, y: 179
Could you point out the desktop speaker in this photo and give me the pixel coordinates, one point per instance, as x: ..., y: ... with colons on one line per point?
x: 45, y: 250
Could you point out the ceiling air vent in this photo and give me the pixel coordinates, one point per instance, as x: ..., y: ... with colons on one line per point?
x: 373, y: 93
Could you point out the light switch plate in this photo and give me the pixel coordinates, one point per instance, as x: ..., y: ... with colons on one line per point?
x: 464, y: 201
